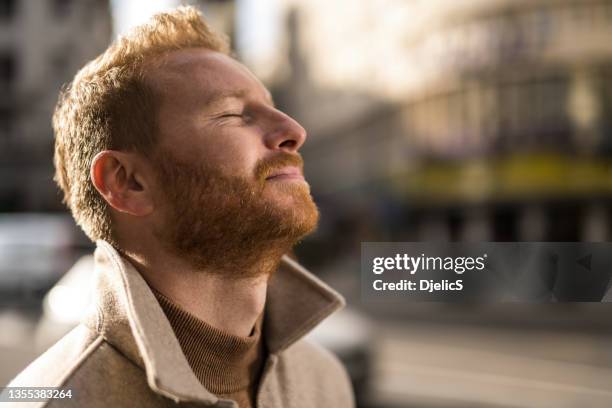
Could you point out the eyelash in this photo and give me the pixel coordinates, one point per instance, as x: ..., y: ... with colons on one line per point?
x: 243, y: 116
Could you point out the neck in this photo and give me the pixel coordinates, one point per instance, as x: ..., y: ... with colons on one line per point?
x: 227, y: 303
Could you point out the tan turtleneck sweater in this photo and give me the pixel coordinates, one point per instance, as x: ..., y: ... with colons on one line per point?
x: 227, y: 365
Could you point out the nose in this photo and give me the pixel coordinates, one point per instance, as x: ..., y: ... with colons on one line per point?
x: 285, y: 133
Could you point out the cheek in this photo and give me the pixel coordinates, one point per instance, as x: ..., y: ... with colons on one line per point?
x: 235, y: 156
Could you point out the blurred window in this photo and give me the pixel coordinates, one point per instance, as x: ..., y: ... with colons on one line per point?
x: 550, y: 101
x: 11, y: 200
x: 569, y: 228
x: 61, y: 8
x: 7, y: 69
x: 455, y: 224
x: 505, y: 224
x: 6, y: 122
x: 7, y: 9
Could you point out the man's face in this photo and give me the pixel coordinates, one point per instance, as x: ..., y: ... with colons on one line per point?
x: 231, y: 181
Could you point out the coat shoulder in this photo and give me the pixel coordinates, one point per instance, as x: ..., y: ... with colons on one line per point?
x: 322, y: 370
x: 60, y: 361
x: 96, y: 372
x: 56, y: 365
x: 317, y: 358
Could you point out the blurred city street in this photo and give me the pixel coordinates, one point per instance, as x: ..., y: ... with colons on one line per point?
x: 428, y: 121
x: 440, y: 365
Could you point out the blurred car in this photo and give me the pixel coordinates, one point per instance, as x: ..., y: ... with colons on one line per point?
x: 35, y: 251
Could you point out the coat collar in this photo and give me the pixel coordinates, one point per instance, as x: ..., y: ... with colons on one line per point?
x: 129, y: 317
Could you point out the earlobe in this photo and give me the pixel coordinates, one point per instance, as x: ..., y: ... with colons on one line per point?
x: 115, y: 177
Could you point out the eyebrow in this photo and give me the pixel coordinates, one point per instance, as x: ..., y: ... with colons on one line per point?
x: 240, y: 93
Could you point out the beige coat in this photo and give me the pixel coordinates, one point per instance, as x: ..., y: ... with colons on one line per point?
x: 125, y: 354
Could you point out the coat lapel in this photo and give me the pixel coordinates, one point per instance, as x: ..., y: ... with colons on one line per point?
x: 129, y: 317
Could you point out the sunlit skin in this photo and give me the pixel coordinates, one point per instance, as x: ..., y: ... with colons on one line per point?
x: 212, y: 110
x: 234, y: 118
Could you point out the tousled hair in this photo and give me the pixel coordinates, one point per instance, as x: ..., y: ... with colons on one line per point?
x: 109, y: 105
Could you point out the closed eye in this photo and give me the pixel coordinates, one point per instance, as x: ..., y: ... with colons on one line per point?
x: 244, y: 117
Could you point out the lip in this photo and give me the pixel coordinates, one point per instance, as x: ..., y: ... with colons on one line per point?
x: 286, y: 173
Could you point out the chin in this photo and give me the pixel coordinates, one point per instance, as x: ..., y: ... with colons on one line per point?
x: 289, y: 195
x: 298, y: 215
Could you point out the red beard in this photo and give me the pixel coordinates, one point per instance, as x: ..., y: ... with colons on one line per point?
x: 228, y: 224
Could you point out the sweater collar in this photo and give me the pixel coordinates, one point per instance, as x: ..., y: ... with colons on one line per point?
x: 224, y: 363
x: 130, y: 318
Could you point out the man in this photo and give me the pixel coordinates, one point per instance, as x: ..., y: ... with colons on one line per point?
x: 173, y: 157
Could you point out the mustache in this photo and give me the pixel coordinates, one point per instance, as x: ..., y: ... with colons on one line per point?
x: 265, y: 167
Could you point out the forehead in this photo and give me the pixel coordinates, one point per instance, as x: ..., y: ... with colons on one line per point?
x: 203, y: 74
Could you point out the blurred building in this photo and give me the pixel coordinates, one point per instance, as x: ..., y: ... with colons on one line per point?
x: 221, y: 14
x: 457, y: 120
x: 444, y: 120
x: 42, y: 45
x: 510, y: 121
x: 428, y: 120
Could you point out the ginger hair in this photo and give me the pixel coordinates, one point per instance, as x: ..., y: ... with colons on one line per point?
x: 109, y: 105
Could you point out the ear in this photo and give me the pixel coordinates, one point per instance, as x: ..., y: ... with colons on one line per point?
x: 120, y: 178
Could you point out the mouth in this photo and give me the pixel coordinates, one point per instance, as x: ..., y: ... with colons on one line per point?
x: 286, y: 173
